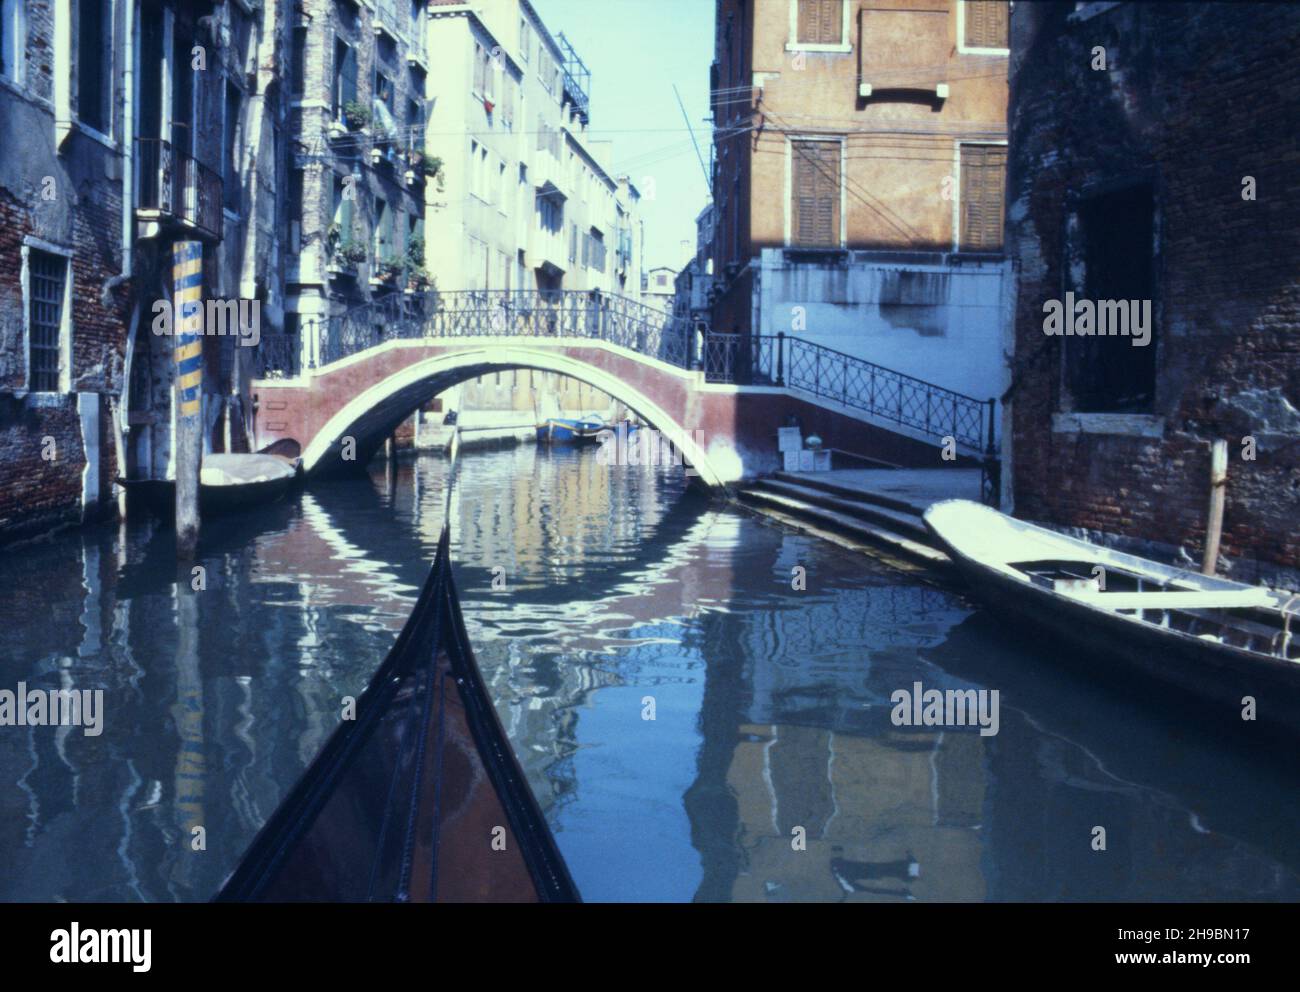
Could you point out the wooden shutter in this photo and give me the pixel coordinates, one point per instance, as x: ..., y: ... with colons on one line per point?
x: 983, y: 177
x: 986, y: 23
x: 820, y: 22
x: 815, y: 193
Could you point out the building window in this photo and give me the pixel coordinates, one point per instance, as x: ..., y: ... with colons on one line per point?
x: 819, y: 25
x: 985, y: 25
x: 384, y: 90
x: 983, y: 179
x: 296, y: 203
x: 383, y: 244
x: 298, y: 70
x: 525, y: 39
x: 94, y: 52
x: 815, y: 194
x: 1115, y: 241
x: 230, y: 149
x: 342, y: 215
x: 345, y: 77
x: 550, y: 212
x: 12, y: 39
x: 349, y: 14
x: 413, y: 121
x: 46, y: 282
x: 481, y: 70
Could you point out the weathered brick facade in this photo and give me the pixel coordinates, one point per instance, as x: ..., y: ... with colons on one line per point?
x: 1195, y: 98
x: 60, y: 193
x: 193, y: 136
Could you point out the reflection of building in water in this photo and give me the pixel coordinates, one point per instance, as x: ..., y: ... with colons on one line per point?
x: 896, y: 817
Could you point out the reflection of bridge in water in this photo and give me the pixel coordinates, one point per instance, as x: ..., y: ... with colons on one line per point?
x: 720, y: 397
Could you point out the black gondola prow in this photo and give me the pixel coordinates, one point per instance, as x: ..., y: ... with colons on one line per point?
x: 420, y: 798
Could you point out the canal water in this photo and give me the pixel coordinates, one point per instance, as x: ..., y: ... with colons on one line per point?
x: 695, y: 726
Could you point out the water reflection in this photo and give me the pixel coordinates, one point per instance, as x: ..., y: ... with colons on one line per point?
x: 770, y: 770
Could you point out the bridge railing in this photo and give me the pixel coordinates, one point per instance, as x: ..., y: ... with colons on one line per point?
x: 473, y: 313
x: 894, y: 397
x: 760, y: 359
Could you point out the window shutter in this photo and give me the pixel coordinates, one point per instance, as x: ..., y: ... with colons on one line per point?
x: 983, y: 175
x: 350, y: 76
x: 819, y: 22
x: 815, y: 188
x: 986, y: 23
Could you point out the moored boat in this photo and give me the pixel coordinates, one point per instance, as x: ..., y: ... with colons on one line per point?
x: 227, y: 482
x: 562, y: 430
x: 1217, y: 638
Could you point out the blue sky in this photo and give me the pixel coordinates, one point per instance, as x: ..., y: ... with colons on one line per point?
x: 636, y: 51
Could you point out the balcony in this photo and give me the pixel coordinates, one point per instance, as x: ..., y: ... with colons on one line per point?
x: 175, y: 193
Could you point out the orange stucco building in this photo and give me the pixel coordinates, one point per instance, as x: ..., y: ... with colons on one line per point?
x: 859, y: 170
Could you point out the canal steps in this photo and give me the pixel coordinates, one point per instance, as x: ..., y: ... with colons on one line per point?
x: 865, y: 517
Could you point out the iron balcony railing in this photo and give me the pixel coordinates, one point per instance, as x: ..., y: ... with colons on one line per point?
x: 894, y: 397
x: 178, y: 187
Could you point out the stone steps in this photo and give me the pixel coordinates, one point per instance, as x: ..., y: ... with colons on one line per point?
x: 861, y: 517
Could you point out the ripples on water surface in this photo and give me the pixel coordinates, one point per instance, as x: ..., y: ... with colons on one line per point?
x: 771, y: 706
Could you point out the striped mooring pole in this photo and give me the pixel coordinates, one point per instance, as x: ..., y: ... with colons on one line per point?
x: 187, y: 294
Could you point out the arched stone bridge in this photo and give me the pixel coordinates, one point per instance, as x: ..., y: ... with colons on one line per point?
x: 719, y: 397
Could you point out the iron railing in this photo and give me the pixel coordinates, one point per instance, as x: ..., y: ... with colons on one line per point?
x: 894, y: 397
x: 777, y: 360
x: 178, y: 187
x: 471, y: 313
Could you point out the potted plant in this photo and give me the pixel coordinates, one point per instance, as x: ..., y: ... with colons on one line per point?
x: 389, y: 270
x: 357, y: 115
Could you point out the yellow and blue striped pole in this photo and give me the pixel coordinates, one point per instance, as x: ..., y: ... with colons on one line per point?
x: 187, y: 303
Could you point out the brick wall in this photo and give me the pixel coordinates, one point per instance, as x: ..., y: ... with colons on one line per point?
x: 1198, y: 96
x: 39, y: 492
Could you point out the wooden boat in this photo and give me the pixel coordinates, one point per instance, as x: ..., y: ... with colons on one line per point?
x: 1219, y: 639
x: 561, y: 430
x: 227, y: 482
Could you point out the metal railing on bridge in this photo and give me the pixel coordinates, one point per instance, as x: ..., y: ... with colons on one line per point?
x: 470, y: 313
x: 888, y: 395
x: 760, y: 359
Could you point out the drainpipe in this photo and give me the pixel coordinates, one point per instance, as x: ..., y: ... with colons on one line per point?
x: 118, y: 411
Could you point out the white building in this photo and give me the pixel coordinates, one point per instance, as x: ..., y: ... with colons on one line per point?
x: 527, y: 201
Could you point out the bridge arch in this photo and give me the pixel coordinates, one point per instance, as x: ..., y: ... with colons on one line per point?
x: 375, y: 411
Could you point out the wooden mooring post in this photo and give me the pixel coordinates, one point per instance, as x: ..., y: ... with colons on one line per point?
x: 1218, y: 493
x: 187, y: 294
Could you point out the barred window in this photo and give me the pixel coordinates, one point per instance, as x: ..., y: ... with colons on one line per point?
x: 46, y: 275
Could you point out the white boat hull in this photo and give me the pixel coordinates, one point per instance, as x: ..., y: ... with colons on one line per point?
x: 986, y: 546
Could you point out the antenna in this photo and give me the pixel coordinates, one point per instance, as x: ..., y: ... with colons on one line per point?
x: 708, y: 180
